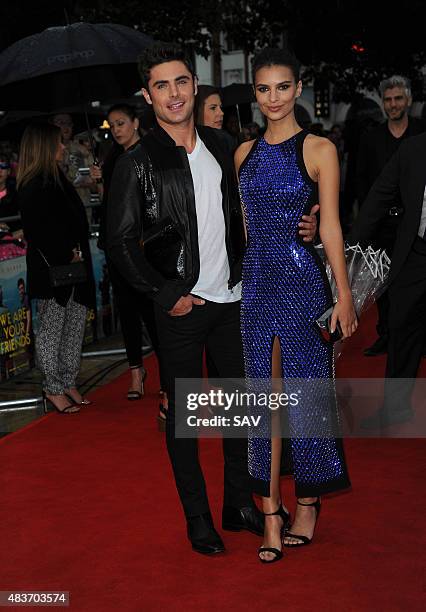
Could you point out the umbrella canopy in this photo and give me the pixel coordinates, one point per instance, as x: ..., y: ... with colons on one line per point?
x: 238, y: 93
x: 13, y: 123
x: 64, y: 66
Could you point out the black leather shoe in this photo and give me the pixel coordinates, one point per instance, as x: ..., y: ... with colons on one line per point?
x: 203, y: 536
x: 380, y: 347
x: 382, y: 419
x: 249, y: 518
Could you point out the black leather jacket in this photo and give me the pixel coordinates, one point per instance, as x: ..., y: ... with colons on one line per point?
x: 151, y: 222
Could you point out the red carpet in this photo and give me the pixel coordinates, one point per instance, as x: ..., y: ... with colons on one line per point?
x: 88, y: 506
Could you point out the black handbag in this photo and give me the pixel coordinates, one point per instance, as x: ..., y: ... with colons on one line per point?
x: 323, y: 323
x: 67, y: 274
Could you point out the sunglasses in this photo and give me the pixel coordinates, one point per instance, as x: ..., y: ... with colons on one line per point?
x: 4, y: 166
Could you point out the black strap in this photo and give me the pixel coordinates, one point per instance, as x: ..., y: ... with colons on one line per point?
x: 47, y: 263
x: 275, y: 551
x: 315, y: 503
x: 303, y: 538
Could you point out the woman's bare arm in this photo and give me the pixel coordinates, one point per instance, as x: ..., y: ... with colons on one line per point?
x: 322, y: 162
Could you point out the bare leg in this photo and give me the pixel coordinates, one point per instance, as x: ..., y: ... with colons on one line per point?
x: 273, y: 524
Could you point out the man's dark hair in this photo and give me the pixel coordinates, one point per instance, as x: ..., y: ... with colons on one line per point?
x: 276, y: 57
x: 20, y: 282
x: 160, y: 54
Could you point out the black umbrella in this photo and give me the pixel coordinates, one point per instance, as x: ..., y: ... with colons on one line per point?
x: 238, y: 93
x: 68, y: 65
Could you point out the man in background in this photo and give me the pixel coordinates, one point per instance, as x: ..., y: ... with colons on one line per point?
x: 77, y: 156
x: 404, y: 178
x: 376, y: 148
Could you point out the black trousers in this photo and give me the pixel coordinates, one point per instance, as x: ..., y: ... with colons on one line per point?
x: 382, y: 303
x: 386, y: 240
x: 407, y: 329
x: 216, y: 329
x: 134, y: 309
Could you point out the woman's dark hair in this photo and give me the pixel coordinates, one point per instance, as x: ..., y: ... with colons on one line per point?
x: 126, y: 109
x: 204, y: 91
x: 160, y: 54
x: 276, y: 57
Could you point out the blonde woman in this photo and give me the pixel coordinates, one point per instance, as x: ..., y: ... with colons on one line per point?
x: 56, y: 229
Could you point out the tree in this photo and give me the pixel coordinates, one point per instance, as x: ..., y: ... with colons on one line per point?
x: 352, y: 43
x: 198, y: 27
x: 355, y: 43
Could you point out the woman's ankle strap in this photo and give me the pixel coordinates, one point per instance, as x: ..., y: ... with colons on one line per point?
x: 315, y: 503
x: 277, y: 513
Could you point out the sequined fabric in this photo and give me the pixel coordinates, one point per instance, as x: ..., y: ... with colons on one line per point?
x: 284, y: 290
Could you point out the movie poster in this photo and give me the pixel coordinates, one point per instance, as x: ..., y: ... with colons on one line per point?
x: 16, y: 324
x: 18, y: 317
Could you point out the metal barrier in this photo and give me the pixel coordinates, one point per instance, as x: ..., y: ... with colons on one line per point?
x: 31, y: 403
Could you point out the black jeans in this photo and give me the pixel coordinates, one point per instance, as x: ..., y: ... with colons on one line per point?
x: 407, y: 329
x: 215, y: 328
x: 133, y: 309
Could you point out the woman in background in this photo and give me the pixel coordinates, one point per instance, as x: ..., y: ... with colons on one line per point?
x: 208, y: 111
x: 133, y: 307
x: 56, y: 229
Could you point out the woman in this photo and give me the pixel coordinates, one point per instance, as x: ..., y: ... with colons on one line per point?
x: 124, y: 126
x: 285, y: 290
x: 55, y: 227
x: 208, y: 111
x: 208, y: 107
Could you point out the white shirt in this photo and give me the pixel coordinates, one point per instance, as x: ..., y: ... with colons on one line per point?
x: 422, y: 226
x: 212, y: 283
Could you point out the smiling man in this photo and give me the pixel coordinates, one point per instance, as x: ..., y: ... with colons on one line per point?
x: 176, y: 193
x: 376, y: 149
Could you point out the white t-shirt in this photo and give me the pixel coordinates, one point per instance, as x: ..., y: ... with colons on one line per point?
x: 213, y: 280
x: 422, y: 226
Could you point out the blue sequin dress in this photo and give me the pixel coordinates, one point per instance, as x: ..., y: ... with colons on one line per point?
x: 285, y: 289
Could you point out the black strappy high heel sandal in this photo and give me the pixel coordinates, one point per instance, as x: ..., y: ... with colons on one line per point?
x: 71, y: 409
x: 134, y: 394
x: 285, y: 516
x: 162, y: 410
x: 304, y: 539
x: 84, y: 401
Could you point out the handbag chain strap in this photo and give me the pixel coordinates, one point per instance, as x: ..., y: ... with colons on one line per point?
x: 47, y: 263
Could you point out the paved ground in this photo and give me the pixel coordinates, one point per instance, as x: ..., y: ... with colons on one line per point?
x: 95, y: 372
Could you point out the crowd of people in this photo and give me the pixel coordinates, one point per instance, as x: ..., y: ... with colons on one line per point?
x: 208, y: 239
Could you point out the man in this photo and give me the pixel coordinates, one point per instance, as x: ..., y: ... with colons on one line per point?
x: 178, y: 190
x: 77, y: 155
x: 402, y: 181
x: 376, y: 148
